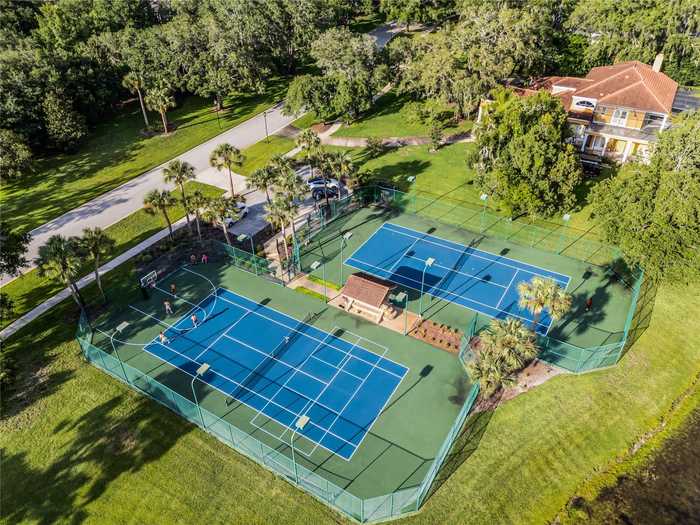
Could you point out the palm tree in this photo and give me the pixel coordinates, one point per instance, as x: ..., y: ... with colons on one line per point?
x: 196, y: 203
x: 541, y: 293
x: 179, y: 172
x: 135, y: 84
x: 342, y: 166
x: 308, y: 141
x: 277, y: 217
x: 491, y: 372
x: 95, y: 243
x: 159, y: 201
x: 229, y: 157
x: 60, y: 259
x: 263, y: 179
x: 218, y: 210
x: 510, y: 341
x: 290, y: 185
x: 159, y: 99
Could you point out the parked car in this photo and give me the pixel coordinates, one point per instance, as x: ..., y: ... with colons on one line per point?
x: 320, y: 193
x: 241, y: 211
x: 317, y: 182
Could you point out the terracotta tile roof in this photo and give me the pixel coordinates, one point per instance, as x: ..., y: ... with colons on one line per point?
x: 367, y: 289
x: 630, y: 84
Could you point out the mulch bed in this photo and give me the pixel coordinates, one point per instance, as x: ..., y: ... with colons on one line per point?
x: 438, y: 335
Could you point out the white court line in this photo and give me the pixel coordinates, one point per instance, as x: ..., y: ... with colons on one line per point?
x: 338, y: 414
x: 302, y: 394
x: 335, y: 366
x: 506, y: 290
x: 317, y: 329
x: 281, y: 388
x: 159, y: 321
x: 194, y: 306
x: 228, y: 394
x: 287, y: 364
x: 312, y: 337
x: 270, y: 356
x: 403, y: 255
x: 450, y: 270
x: 498, y: 257
x: 449, y: 293
x: 222, y: 335
x: 313, y: 402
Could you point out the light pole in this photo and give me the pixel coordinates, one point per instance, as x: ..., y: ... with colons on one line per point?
x: 485, y: 198
x: 343, y: 240
x: 242, y: 237
x: 267, y: 136
x: 566, y: 218
x: 314, y: 266
x: 403, y: 298
x: 199, y: 373
x: 118, y: 330
x: 299, y: 424
x: 428, y: 263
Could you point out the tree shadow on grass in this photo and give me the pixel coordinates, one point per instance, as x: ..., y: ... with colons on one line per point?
x: 397, y: 173
x: 102, y: 445
x: 30, y: 364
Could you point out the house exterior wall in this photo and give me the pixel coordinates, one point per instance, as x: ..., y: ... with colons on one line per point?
x: 604, y: 114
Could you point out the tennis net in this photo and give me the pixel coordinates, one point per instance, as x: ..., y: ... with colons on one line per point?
x: 260, y: 371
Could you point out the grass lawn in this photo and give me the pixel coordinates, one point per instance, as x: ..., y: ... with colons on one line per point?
x: 116, y: 152
x: 366, y: 23
x: 389, y: 117
x: 306, y: 121
x: 259, y: 154
x: 114, y: 457
x: 446, y: 173
x: 30, y: 290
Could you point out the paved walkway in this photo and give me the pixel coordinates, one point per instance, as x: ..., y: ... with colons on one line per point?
x: 394, y: 142
x: 82, y: 283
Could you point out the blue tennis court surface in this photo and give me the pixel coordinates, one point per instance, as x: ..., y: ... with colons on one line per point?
x: 284, y: 369
x: 464, y: 275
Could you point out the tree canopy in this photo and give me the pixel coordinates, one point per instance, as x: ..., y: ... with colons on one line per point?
x: 352, y: 71
x: 522, y: 157
x: 631, y: 30
x: 652, y: 212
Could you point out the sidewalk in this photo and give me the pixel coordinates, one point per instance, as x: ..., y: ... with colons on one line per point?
x: 82, y: 283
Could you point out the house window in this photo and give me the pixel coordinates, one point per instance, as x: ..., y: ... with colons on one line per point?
x: 652, y: 122
x: 596, y: 143
x: 619, y: 117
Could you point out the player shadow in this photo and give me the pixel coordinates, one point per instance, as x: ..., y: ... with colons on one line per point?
x: 100, y: 446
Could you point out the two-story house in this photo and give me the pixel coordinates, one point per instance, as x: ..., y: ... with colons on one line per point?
x: 615, y: 111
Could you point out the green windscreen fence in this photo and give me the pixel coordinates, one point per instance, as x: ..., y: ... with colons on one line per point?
x: 565, y: 355
x: 547, y: 236
x: 373, y: 509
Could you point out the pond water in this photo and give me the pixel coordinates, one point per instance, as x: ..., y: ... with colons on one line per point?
x: 667, y: 491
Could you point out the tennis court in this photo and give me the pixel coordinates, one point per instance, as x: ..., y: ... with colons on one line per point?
x: 464, y: 275
x: 308, y: 387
